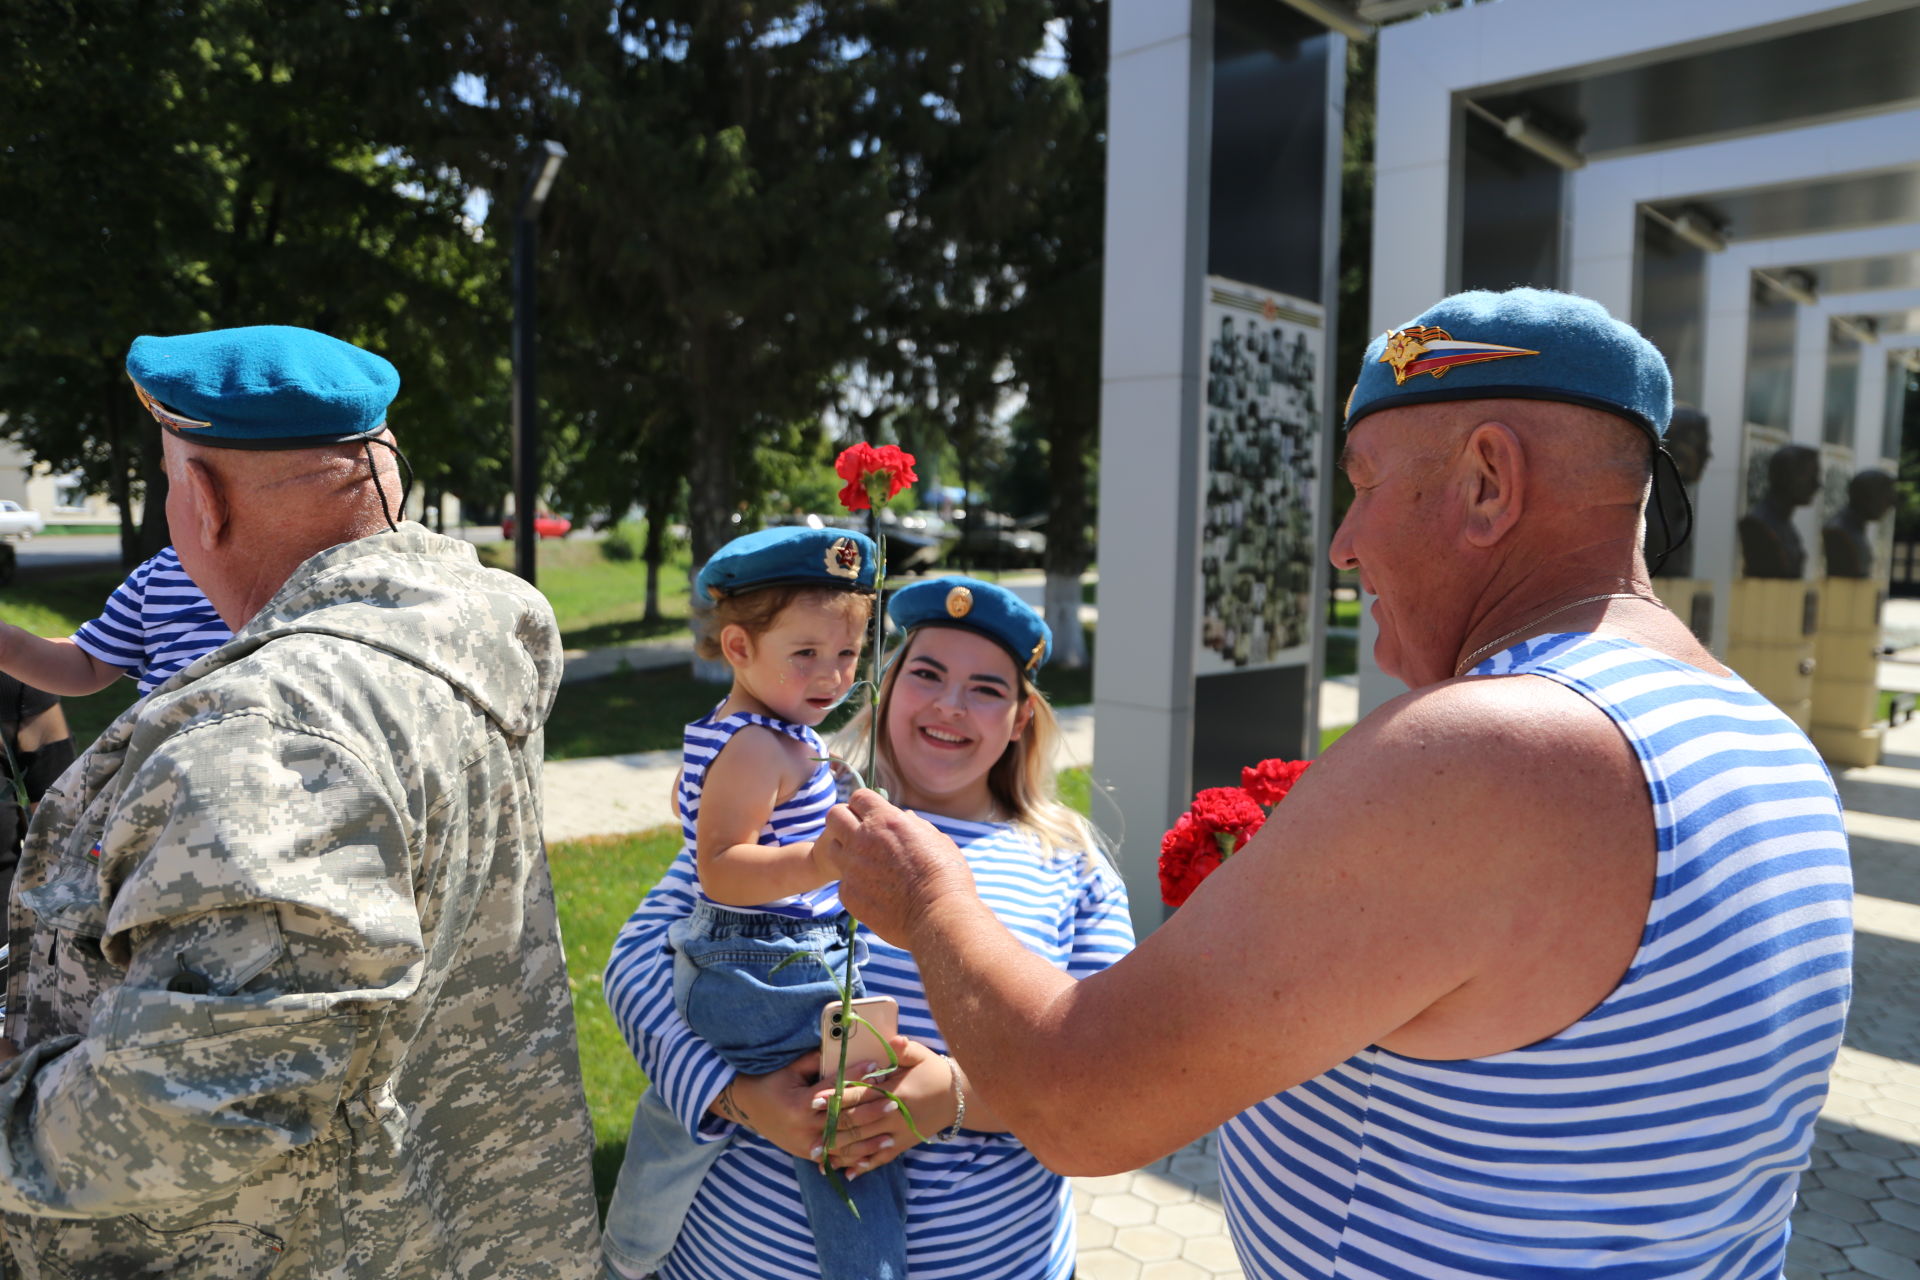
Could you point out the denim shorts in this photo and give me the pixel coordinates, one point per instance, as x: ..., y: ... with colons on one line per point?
x: 726, y: 987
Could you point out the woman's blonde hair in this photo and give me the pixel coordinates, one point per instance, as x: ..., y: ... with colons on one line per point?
x: 1021, y: 781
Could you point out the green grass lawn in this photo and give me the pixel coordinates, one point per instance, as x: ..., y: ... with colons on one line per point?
x: 597, y: 884
x: 600, y: 602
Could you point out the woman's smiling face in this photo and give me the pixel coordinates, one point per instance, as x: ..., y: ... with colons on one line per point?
x: 955, y: 707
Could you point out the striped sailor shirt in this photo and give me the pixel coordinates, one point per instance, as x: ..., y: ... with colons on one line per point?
x: 1661, y: 1135
x: 155, y: 623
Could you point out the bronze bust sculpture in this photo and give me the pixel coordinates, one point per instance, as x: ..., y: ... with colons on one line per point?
x: 1870, y: 495
x: 1769, y: 544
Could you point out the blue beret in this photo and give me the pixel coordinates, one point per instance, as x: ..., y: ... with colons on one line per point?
x: 266, y: 387
x: 1524, y: 344
x: 973, y: 605
x: 793, y: 556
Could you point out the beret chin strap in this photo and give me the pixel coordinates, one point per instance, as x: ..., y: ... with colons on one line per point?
x: 406, y: 479
x: 1670, y: 544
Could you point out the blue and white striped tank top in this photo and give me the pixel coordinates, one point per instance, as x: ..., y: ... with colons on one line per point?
x: 801, y: 816
x: 1663, y: 1134
x: 154, y: 624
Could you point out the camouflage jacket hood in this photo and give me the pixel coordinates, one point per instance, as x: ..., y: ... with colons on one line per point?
x: 427, y: 599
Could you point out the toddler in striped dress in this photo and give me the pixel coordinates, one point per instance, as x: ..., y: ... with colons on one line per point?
x: 790, y: 609
x: 155, y: 623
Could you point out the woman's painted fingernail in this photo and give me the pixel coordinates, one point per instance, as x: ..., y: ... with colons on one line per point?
x: 815, y: 1153
x: 819, y: 1104
x: 891, y: 1106
x: 886, y: 1144
x: 863, y: 1166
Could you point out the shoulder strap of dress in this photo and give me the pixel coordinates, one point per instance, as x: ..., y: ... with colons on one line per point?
x: 739, y: 720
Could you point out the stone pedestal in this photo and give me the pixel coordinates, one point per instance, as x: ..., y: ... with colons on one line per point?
x: 1846, y: 678
x: 1771, y: 626
x: 1691, y: 600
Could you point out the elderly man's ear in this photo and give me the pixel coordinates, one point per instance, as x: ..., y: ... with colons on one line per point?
x: 207, y: 497
x: 1496, y: 482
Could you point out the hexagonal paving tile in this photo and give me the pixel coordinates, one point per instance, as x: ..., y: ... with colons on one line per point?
x: 1148, y: 1244
x: 1122, y: 1210
x: 1163, y: 1190
x: 1178, y: 1269
x: 1098, y: 1233
x: 1191, y: 1219
x: 1105, y: 1264
x: 1212, y: 1253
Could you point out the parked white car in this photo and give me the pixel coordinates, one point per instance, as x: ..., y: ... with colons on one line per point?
x: 18, y: 522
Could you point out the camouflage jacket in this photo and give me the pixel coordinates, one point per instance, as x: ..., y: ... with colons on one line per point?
x: 287, y: 973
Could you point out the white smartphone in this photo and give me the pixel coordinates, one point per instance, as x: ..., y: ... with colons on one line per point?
x: 883, y: 1012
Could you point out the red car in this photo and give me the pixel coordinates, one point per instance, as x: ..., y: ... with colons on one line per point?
x: 545, y: 525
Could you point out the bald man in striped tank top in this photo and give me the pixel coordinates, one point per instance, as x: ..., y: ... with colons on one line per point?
x: 1541, y: 969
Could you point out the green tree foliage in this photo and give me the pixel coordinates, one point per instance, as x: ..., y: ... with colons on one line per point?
x: 170, y: 167
x: 721, y: 224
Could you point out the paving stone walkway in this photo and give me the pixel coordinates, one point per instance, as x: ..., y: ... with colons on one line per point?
x: 1859, y: 1213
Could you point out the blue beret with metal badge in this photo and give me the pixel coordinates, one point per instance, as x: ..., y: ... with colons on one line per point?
x: 1523, y: 344
x: 790, y: 556
x: 262, y: 387
x: 981, y: 607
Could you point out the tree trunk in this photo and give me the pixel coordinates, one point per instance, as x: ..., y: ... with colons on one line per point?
x: 120, y: 475
x: 154, y: 534
x: 710, y: 492
x: 655, y: 554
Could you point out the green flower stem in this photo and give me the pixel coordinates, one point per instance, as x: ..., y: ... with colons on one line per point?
x: 876, y: 493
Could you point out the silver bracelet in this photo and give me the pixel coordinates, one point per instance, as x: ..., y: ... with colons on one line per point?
x: 959, y: 1105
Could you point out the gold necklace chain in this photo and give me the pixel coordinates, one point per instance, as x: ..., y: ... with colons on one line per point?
x: 1468, y: 661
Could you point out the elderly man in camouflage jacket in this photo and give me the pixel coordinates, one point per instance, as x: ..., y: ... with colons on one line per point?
x: 288, y: 987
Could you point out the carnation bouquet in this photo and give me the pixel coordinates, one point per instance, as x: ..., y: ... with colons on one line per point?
x: 1219, y: 824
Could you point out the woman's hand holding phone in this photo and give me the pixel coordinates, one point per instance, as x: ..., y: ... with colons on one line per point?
x: 872, y: 1131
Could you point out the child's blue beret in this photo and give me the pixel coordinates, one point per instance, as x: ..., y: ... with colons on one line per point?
x: 1524, y: 344
x: 973, y: 605
x: 265, y: 387
x: 791, y: 556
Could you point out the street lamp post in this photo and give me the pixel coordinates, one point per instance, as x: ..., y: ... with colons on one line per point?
x: 526, y: 408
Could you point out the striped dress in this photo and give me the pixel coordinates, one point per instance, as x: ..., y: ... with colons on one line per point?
x: 155, y: 623
x: 798, y: 818
x: 1661, y: 1135
x: 979, y: 1207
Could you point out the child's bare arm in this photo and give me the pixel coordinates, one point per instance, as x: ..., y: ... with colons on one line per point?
x: 57, y: 666
x: 750, y: 776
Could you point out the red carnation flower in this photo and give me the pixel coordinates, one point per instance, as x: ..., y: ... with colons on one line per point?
x: 1187, y: 856
x: 1269, y: 781
x: 874, y: 474
x: 1218, y: 825
x: 1228, y: 811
